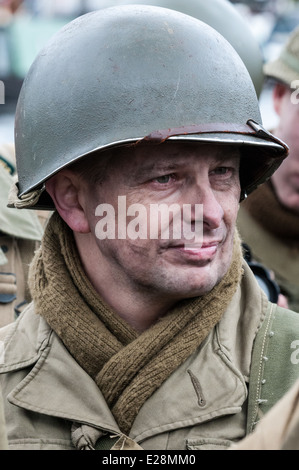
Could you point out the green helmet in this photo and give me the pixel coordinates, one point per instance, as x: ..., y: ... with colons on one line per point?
x: 164, y: 75
x: 225, y: 18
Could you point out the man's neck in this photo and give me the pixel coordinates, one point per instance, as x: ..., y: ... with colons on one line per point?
x: 140, y: 312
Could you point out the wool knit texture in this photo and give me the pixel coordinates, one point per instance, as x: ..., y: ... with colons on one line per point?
x: 266, y: 209
x: 127, y: 366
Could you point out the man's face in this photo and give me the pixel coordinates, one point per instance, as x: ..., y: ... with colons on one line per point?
x: 286, y: 178
x: 139, y: 179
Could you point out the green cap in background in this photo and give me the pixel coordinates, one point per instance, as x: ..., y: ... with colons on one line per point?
x: 286, y: 67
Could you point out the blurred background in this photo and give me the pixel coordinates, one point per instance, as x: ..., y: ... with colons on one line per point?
x: 26, y: 25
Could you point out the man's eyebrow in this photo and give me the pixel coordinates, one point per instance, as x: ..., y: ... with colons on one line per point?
x: 151, y: 168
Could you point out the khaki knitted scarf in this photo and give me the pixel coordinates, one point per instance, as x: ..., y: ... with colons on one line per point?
x: 266, y: 209
x: 127, y: 367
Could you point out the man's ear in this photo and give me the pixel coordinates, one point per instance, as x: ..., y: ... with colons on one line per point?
x: 65, y: 188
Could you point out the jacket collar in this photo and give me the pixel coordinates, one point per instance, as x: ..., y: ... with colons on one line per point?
x: 213, y: 381
x: 206, y: 386
x: 58, y: 386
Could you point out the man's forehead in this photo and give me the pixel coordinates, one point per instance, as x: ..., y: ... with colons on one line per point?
x: 176, y: 154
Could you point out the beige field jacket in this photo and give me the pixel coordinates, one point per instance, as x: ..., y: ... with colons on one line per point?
x: 51, y: 403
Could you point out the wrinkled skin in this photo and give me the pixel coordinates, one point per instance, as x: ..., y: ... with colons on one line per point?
x: 131, y: 274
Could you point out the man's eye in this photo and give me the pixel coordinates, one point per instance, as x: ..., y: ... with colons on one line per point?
x: 163, y: 179
x: 222, y: 170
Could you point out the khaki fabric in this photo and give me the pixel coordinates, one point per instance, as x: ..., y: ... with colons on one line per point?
x: 3, y: 436
x: 279, y: 428
x: 127, y: 366
x: 274, y: 367
x: 202, y: 405
x: 51, y: 403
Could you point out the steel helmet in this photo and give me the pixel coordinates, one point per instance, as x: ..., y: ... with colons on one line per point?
x: 135, y: 73
x: 226, y: 19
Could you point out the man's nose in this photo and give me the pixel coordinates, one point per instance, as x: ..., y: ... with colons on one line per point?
x: 212, y: 211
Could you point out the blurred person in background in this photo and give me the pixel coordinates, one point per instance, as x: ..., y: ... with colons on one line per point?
x: 268, y: 219
x: 9, y: 7
x: 20, y: 236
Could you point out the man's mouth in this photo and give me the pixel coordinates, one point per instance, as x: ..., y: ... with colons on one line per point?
x: 204, y: 251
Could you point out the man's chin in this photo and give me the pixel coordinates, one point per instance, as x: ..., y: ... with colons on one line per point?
x: 196, y: 289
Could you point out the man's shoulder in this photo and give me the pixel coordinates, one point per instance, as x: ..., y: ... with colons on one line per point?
x: 280, y: 327
x: 275, y: 360
x: 22, y: 341
x: 284, y: 319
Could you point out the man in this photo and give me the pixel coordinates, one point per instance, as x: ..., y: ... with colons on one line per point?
x: 20, y: 236
x: 269, y: 219
x: 144, y: 315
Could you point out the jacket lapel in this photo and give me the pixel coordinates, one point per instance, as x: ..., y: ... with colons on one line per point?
x: 56, y: 385
x: 206, y: 386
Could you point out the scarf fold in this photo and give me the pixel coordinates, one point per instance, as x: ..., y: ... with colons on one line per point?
x: 127, y: 366
x: 266, y: 209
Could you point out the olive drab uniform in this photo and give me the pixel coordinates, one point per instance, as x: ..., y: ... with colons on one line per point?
x: 279, y: 429
x: 54, y: 405
x: 20, y: 234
